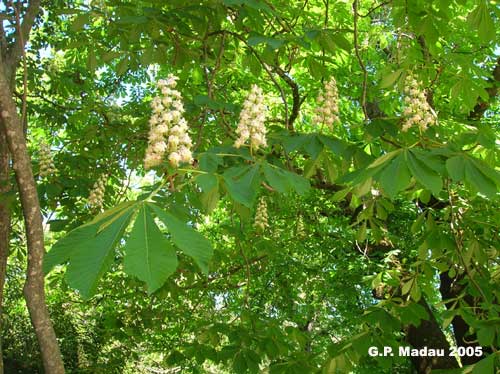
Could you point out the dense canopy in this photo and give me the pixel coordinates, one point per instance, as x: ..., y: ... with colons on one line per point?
x: 250, y: 186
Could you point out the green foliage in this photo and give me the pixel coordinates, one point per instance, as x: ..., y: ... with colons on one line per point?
x: 148, y: 255
x: 367, y: 222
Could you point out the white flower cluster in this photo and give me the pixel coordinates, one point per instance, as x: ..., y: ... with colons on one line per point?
x: 261, y: 217
x: 252, y: 118
x: 417, y: 110
x: 168, y: 128
x: 47, y: 167
x: 96, y: 197
x: 327, y: 111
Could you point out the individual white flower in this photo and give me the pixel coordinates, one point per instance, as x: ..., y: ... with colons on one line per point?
x: 47, y: 167
x: 252, y: 117
x: 327, y: 111
x: 168, y: 133
x: 261, y: 216
x: 96, y: 197
x: 417, y: 110
x: 174, y: 158
x: 185, y: 154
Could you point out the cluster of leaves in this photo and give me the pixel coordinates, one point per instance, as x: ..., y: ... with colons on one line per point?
x: 386, y: 214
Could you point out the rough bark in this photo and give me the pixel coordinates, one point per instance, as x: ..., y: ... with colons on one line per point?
x: 4, y: 225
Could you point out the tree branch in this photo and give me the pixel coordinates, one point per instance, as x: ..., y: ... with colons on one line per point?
x: 295, y: 95
x: 16, y: 49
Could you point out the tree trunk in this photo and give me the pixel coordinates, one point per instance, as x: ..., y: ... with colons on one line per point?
x: 34, y: 291
x: 4, y: 225
x: 429, y: 334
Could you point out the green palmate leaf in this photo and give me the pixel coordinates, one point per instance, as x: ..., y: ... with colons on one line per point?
x: 480, y: 18
x: 384, y: 159
x: 488, y: 171
x: 313, y: 146
x: 300, y: 184
x: 316, y: 69
x: 91, y: 60
x: 335, y: 145
x: 330, y: 169
x: 407, y: 286
x: 74, y: 241
x: 112, y: 212
x: 486, y: 365
x: 476, y: 178
x: 390, y: 79
x: 210, y: 198
x: 395, y: 177
x: 456, y: 168
x: 294, y: 142
x: 416, y: 293
x: 207, y: 181
x: 271, y: 42
x: 148, y: 254
x: 77, y: 239
x: 254, y: 4
x: 431, y: 160
x: 187, y: 239
x: 342, y: 42
x: 276, y: 178
x: 312, y: 165
x: 425, y: 175
x: 486, y: 136
x: 241, y: 183
x: 341, y: 195
x: 486, y: 335
x: 203, y: 100
x: 285, y: 181
x: 93, y: 256
x: 209, y: 162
